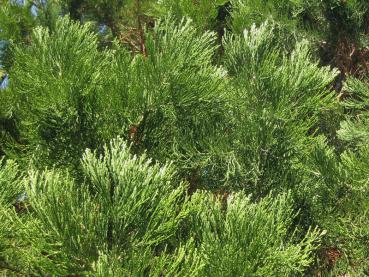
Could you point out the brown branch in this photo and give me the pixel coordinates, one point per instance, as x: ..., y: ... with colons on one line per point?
x: 140, y: 29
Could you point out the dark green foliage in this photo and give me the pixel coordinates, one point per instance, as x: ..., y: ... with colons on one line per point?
x: 248, y: 12
x: 336, y: 191
x: 203, y: 13
x: 337, y: 185
x: 10, y: 184
x: 354, y: 129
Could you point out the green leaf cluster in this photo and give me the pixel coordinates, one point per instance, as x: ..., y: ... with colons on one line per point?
x: 131, y: 216
x: 184, y: 138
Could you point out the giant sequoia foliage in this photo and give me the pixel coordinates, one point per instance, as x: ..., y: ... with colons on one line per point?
x: 184, y: 138
x: 131, y: 217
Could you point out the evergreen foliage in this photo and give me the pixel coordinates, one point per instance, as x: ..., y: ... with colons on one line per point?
x: 184, y: 138
x: 356, y: 131
x: 203, y: 13
x: 248, y: 12
x: 339, y: 29
x: 18, y: 18
x: 337, y: 186
x: 278, y: 101
x: 253, y: 233
x: 127, y: 214
x: 57, y: 81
